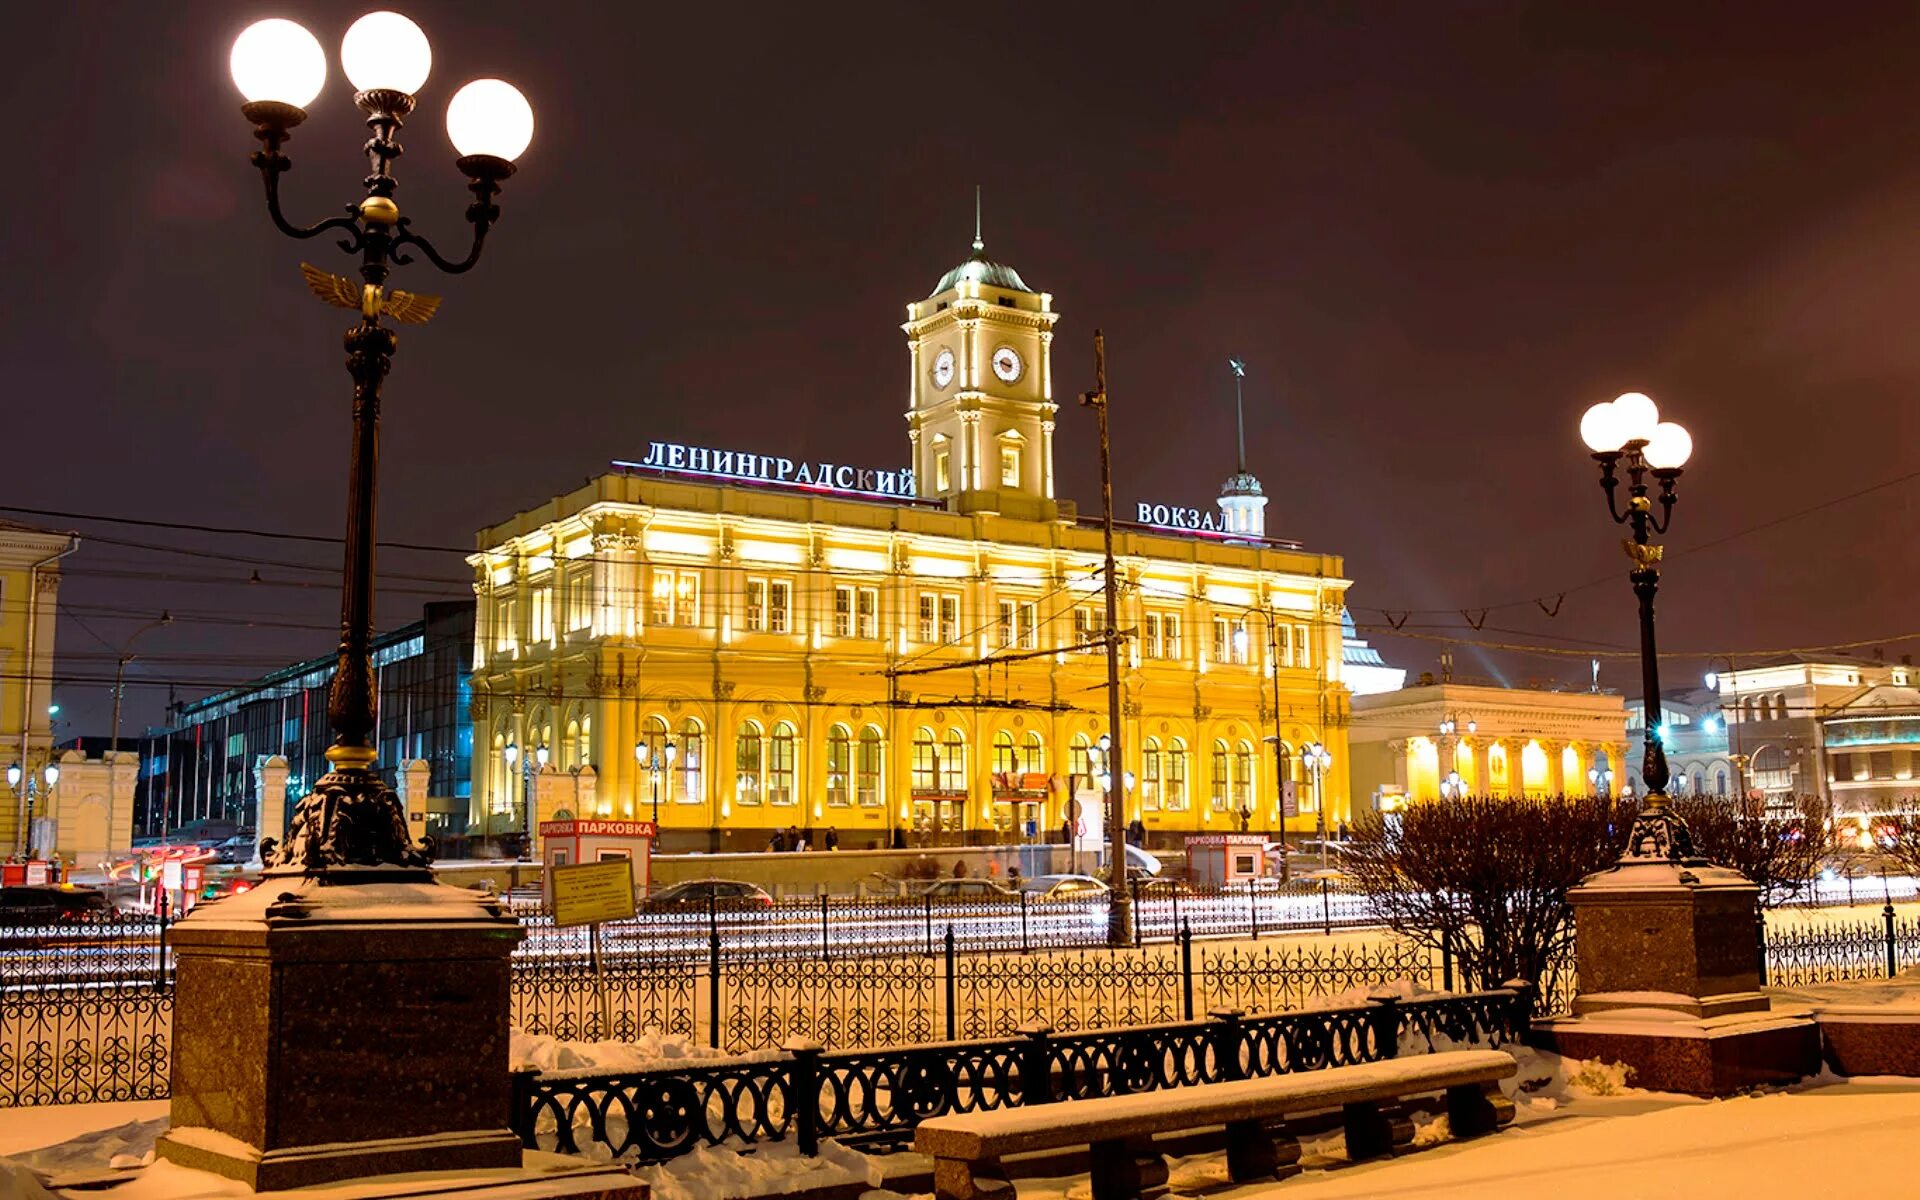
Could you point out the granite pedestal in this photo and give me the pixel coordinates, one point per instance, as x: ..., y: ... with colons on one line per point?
x: 342, y: 1025
x: 1669, y: 973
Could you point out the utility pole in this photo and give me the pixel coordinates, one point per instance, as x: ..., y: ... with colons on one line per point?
x: 1119, y: 900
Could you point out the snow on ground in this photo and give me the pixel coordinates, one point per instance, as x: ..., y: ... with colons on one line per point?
x: 772, y: 1169
x: 651, y: 1051
x: 1902, y: 991
x: 32, y: 1128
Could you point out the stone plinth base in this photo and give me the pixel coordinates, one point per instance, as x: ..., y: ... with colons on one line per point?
x: 1656, y: 934
x: 1870, y: 1040
x: 341, y: 1026
x: 1710, y: 1056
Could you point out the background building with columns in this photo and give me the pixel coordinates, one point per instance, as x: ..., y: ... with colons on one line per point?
x: 897, y: 653
x: 1497, y: 741
x: 29, y: 602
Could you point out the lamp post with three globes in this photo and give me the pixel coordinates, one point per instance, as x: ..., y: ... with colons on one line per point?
x: 351, y: 817
x: 1627, y: 434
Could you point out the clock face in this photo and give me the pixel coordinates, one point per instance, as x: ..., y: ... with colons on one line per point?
x: 1007, y: 364
x: 943, y: 369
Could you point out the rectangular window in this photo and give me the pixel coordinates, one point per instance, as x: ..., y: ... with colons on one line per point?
x: 660, y: 612
x: 939, y: 617
x: 1009, y: 466
x: 1027, y: 622
x: 1162, y: 638
x: 949, y: 618
x: 1150, y: 643
x: 1283, y: 637
x: 1083, y: 630
x: 579, y: 598
x: 843, y: 612
x: 779, y: 606
x: 686, y: 598
x: 929, y: 616
x: 1171, y: 623
x: 1840, y: 767
x: 1229, y: 641
x: 942, y: 473
x: 1882, y: 764
x: 542, y: 610
x: 290, y: 731
x: 867, y: 612
x: 1301, y: 656
x: 506, y: 619
x: 1008, y: 613
x: 756, y: 605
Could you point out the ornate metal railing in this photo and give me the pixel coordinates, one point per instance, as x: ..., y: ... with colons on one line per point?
x: 1799, y: 955
x: 878, y: 1096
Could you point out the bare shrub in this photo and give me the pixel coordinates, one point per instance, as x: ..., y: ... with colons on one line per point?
x: 1781, y: 854
x: 1487, y: 878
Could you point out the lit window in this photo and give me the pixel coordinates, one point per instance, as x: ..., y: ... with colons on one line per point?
x: 942, y: 476
x: 662, y: 609
x: 686, y: 598
x: 1175, y: 799
x: 780, y: 766
x: 839, y: 765
x: 1150, y: 775
x: 1017, y: 625
x: 756, y: 604
x: 949, y: 618
x: 843, y: 612
x: 929, y: 616
x: 1083, y: 631
x: 1007, y: 608
x: 1301, y: 657
x: 779, y: 606
x: 867, y: 769
x: 868, y: 612
x: 1009, y: 465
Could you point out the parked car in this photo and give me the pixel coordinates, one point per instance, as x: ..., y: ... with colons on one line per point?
x: 702, y: 893
x: 1063, y: 887
x: 966, y: 889
x: 50, y: 905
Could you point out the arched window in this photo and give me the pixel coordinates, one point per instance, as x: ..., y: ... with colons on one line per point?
x: 1222, y: 776
x: 570, y: 747
x: 868, y: 768
x: 782, y: 761
x: 925, y: 755
x: 749, y: 763
x: 1176, y: 792
x: 1005, y: 762
x: 1150, y: 774
x: 1780, y: 706
x: 839, y: 766
x: 656, y: 779
x: 1243, y: 776
x: 1080, y: 758
x: 1699, y: 782
x: 1033, y: 755
x: 953, y: 763
x: 1720, y: 782
x: 583, y: 747
x: 690, y: 779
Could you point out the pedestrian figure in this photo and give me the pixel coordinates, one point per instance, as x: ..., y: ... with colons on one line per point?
x: 960, y: 868
x: 833, y: 839
x: 778, y: 842
x: 899, y: 840
x: 1343, y: 829
x: 793, y: 837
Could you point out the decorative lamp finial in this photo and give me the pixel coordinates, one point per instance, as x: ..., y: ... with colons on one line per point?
x: 978, y: 245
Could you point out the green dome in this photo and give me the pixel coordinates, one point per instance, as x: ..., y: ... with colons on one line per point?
x: 982, y: 269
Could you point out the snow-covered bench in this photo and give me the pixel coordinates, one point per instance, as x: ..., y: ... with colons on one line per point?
x: 967, y: 1147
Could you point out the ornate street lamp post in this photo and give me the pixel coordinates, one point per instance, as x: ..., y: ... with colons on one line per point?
x: 351, y: 817
x: 1319, y: 758
x: 1627, y: 434
x: 27, y: 789
x: 1119, y: 902
x: 655, y: 764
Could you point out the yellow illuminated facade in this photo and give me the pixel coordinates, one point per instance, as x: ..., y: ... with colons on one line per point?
x: 779, y: 638
x: 1434, y: 739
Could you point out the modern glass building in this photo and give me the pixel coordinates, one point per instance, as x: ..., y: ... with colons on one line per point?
x: 200, y: 773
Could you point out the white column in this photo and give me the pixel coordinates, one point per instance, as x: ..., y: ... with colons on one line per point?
x: 270, y: 780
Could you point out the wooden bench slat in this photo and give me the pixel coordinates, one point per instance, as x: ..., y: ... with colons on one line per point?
x: 1080, y: 1122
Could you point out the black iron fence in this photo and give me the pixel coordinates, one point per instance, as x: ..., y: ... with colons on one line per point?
x: 877, y: 1097
x: 741, y: 1003
x: 1798, y: 955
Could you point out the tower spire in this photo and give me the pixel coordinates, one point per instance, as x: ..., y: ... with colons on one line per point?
x: 978, y: 245
x: 1239, y: 409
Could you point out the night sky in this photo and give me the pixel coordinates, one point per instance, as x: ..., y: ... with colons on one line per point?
x: 1435, y: 232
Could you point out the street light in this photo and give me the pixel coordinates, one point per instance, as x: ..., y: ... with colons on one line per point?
x: 1627, y: 432
x: 1319, y: 759
x: 26, y: 788
x: 350, y: 816
x: 651, y: 763
x: 1453, y: 787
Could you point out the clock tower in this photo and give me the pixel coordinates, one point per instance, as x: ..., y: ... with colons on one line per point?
x: 980, y: 402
